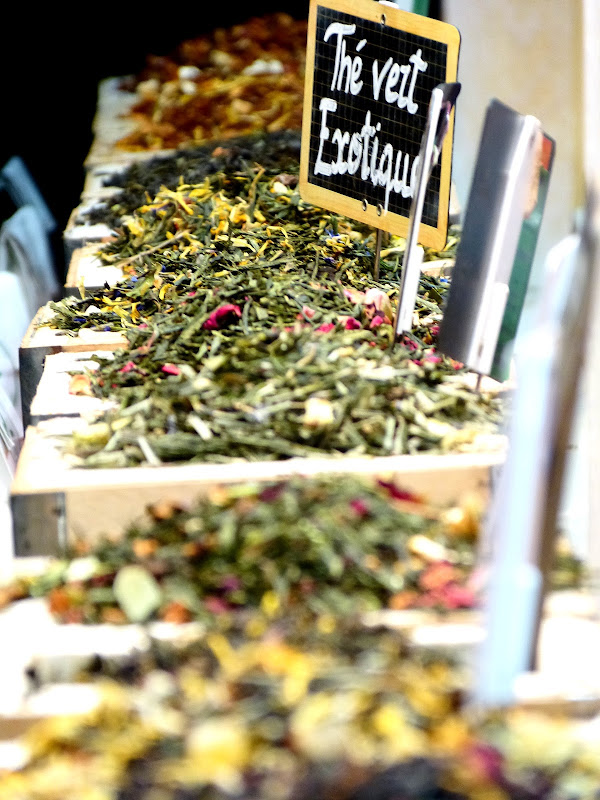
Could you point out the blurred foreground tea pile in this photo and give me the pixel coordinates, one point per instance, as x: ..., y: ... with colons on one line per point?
x: 280, y: 679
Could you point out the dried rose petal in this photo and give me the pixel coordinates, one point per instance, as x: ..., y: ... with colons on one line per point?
x: 272, y: 493
x: 171, y: 369
x: 287, y: 179
x: 359, y: 507
x: 399, y: 494
x: 438, y: 575
x: 354, y: 295
x: 484, y: 760
x: 128, y: 367
x: 378, y: 320
x: 378, y: 303
x: 349, y: 323
x: 216, y: 605
x: 454, y: 596
x: 222, y: 316
x: 230, y: 583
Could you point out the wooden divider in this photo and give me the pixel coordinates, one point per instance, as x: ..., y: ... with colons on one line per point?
x: 55, y: 501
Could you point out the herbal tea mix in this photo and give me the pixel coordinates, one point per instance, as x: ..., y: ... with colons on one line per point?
x: 131, y: 185
x: 343, y: 547
x: 232, y: 82
x: 298, y: 707
x: 256, y: 331
x: 328, y: 546
x: 283, y: 687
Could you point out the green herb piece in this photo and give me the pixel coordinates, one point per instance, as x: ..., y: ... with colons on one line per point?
x: 137, y: 592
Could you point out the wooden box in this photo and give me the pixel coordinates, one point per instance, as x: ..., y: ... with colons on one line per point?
x: 41, y: 341
x: 79, y: 234
x: 54, y: 502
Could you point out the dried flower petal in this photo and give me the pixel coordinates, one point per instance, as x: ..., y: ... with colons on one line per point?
x: 128, y: 367
x: 81, y: 385
x: 222, y: 316
x: 326, y: 327
x: 318, y: 413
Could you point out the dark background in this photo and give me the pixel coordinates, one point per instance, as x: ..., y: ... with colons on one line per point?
x: 51, y: 65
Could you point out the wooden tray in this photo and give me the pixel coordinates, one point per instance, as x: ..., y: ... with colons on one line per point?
x: 52, y: 397
x: 77, y: 235
x: 54, y: 502
x: 41, y: 341
x: 94, y: 188
x: 111, y: 123
x: 45, y: 476
x: 86, y: 271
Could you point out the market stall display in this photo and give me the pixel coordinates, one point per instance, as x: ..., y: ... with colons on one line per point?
x: 221, y: 277
x: 261, y: 516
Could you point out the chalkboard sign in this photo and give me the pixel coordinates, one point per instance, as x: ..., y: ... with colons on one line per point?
x: 371, y: 69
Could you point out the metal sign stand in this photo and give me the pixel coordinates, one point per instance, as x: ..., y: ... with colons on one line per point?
x: 443, y: 99
x: 378, y: 242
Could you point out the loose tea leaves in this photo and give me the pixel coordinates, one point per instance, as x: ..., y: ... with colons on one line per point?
x: 277, y: 152
x: 235, y: 273
x: 235, y: 81
x: 235, y: 221
x: 340, y: 547
x: 320, y: 545
x: 296, y: 393
x: 298, y: 709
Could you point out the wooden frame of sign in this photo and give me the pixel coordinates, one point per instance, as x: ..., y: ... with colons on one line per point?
x: 370, y: 72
